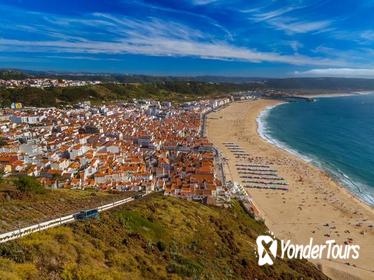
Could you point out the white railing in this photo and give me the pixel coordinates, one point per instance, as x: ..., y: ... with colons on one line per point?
x: 114, y: 204
x: 15, y: 234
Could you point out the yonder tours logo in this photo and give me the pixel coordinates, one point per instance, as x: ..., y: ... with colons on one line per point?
x: 267, y: 250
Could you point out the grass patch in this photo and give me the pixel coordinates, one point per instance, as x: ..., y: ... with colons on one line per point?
x: 135, y: 222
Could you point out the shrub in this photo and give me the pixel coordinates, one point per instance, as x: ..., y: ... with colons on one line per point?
x: 13, y: 251
x: 184, y: 267
x: 161, y: 246
x: 27, y: 184
x: 2, y: 142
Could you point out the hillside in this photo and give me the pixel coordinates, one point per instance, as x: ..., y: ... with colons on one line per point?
x: 19, y: 209
x: 154, y: 238
x: 162, y: 91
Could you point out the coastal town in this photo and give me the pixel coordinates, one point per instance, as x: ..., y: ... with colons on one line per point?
x: 139, y: 146
x: 182, y: 150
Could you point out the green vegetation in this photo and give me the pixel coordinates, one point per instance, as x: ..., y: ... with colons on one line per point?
x: 162, y: 91
x: 20, y: 209
x: 27, y: 184
x: 153, y: 238
x: 2, y: 142
x: 12, y: 75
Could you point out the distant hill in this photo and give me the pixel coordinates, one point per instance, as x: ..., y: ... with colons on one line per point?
x: 345, y: 84
x: 12, y: 75
x: 137, y: 78
x: 277, y: 83
x: 154, y: 238
x: 177, y: 91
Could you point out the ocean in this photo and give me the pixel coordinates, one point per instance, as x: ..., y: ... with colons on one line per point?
x: 335, y: 134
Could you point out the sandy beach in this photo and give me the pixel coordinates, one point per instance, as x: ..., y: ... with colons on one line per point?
x: 314, y: 206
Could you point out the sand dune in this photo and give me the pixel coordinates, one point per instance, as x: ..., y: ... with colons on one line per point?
x: 315, y: 205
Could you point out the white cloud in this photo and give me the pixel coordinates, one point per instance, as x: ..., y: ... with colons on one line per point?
x: 290, y: 25
x: 272, y: 14
x: 202, y: 2
x: 150, y: 36
x: 285, y: 20
x: 295, y: 45
x: 338, y: 72
x: 367, y: 35
x: 161, y: 46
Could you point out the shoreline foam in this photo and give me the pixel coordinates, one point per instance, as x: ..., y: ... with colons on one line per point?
x: 358, y: 189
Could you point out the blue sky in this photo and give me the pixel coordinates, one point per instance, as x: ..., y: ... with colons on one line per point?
x: 190, y: 37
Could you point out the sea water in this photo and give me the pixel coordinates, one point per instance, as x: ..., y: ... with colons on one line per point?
x: 336, y: 134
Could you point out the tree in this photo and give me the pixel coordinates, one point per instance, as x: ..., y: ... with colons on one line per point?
x: 27, y: 184
x: 2, y: 142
